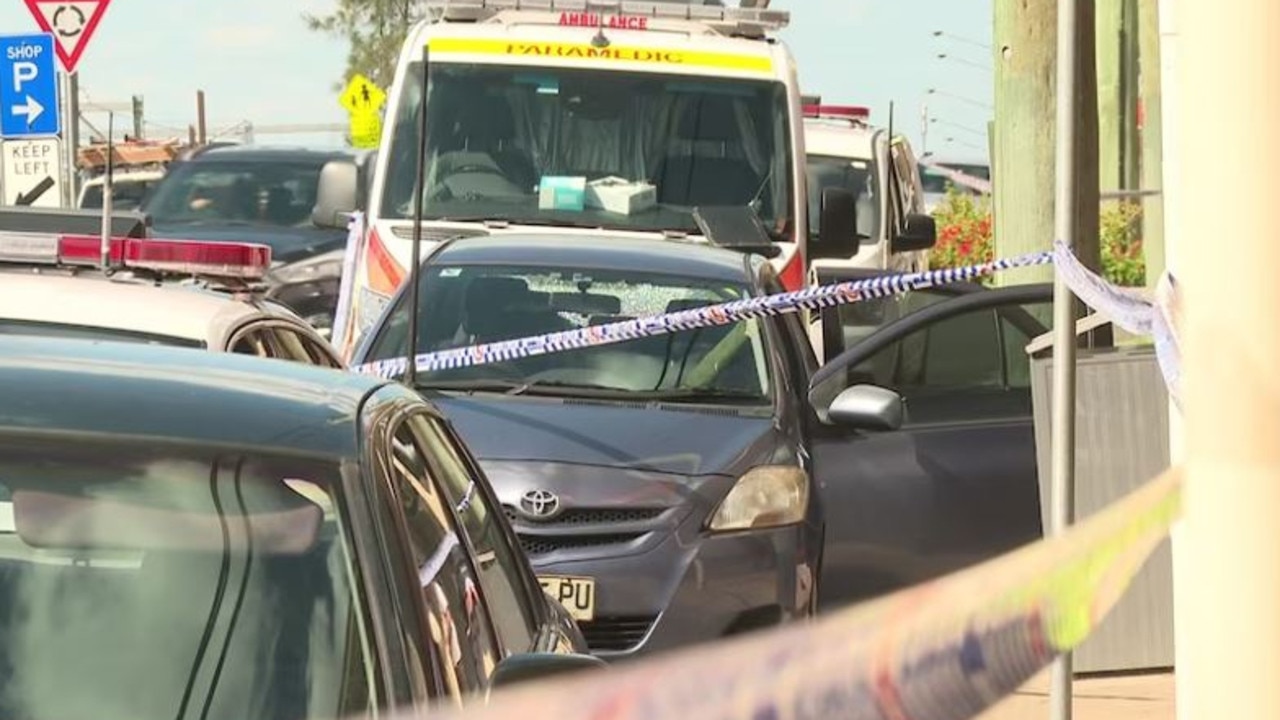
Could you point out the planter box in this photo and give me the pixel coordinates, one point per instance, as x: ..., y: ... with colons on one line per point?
x: 1122, y: 441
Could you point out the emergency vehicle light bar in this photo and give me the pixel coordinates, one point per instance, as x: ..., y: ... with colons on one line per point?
x: 241, y: 261
x: 838, y: 112
x: 753, y: 22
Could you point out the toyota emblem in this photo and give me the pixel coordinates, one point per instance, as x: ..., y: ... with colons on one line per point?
x: 540, y: 503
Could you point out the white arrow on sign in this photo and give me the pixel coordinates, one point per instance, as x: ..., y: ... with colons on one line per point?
x: 31, y: 109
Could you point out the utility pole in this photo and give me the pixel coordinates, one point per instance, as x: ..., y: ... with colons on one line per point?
x: 137, y: 118
x: 1152, y: 138
x: 1110, y: 18
x: 924, y: 129
x: 1022, y: 163
x: 201, y: 128
x: 1225, y: 85
x: 1130, y: 91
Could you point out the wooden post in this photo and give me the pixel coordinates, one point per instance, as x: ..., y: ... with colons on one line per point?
x: 1110, y: 18
x: 1225, y: 80
x: 1130, y: 173
x: 1152, y: 139
x: 1024, y: 49
x: 201, y: 134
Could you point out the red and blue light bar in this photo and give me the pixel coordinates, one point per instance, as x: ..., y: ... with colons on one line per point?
x: 187, y: 258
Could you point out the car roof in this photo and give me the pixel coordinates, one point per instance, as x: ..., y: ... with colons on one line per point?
x: 603, y: 252
x: 95, y: 301
x: 265, y: 153
x: 838, y: 138
x: 77, y: 387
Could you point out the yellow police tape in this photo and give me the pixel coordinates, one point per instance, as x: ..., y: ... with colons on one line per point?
x: 944, y: 650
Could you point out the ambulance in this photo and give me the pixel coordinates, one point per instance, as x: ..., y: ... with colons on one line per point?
x: 605, y: 118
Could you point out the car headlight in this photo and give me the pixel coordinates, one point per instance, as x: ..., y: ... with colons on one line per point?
x: 307, y: 270
x: 765, y: 497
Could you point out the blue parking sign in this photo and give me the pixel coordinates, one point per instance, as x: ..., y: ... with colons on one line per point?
x: 28, y: 86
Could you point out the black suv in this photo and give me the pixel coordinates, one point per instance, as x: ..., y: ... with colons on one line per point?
x: 266, y: 195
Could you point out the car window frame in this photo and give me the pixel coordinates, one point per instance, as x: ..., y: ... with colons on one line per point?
x: 395, y: 422
x: 527, y: 580
x: 898, y: 329
x: 268, y: 325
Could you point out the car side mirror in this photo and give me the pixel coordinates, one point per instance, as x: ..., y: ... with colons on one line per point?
x: 838, y: 226
x: 919, y: 232
x: 338, y: 194
x: 533, y: 666
x: 868, y: 407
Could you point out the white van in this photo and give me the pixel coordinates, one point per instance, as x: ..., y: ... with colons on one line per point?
x: 844, y: 151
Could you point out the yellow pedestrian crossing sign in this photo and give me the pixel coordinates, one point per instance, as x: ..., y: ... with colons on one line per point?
x: 362, y: 95
x: 363, y: 101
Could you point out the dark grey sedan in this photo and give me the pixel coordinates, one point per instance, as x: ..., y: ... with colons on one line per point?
x: 681, y: 488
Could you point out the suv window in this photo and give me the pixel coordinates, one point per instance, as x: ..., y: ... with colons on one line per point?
x: 459, y: 634
x: 270, y: 193
x: 501, y: 570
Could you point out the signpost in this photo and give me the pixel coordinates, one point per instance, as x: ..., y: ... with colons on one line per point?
x: 32, y: 172
x: 28, y: 87
x: 363, y: 101
x: 72, y: 24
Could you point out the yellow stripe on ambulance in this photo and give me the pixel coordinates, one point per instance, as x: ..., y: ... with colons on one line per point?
x: 619, y: 53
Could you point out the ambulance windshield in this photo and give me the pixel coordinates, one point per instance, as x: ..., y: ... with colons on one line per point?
x: 591, y: 148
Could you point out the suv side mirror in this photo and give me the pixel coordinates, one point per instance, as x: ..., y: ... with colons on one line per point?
x: 919, y: 232
x: 533, y: 666
x: 868, y: 407
x: 838, y: 228
x: 337, y: 195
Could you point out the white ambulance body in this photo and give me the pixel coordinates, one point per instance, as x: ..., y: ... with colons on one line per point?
x: 843, y: 151
x: 559, y: 116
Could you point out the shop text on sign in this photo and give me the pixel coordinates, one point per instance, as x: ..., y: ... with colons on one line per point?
x: 613, y: 22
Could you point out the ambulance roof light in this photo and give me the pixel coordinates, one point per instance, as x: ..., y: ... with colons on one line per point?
x: 748, y: 21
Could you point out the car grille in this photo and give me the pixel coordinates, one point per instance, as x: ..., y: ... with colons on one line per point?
x: 543, y: 544
x: 616, y: 634
x: 612, y: 526
x: 588, y: 516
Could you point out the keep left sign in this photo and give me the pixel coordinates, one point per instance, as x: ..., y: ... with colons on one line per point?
x: 28, y: 86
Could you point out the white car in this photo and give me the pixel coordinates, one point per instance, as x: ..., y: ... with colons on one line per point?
x: 170, y: 292
x: 128, y: 188
x: 843, y: 152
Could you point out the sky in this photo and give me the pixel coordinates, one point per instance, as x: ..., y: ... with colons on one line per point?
x: 256, y: 61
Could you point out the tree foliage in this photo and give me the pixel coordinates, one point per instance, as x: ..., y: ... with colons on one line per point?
x: 375, y: 31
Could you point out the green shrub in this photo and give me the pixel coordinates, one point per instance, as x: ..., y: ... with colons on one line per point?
x: 965, y: 236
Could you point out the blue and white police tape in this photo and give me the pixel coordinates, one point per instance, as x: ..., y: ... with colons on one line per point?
x: 1130, y: 310
x: 810, y: 298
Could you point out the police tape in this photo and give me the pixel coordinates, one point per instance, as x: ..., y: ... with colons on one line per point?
x: 1130, y: 310
x: 810, y: 298
x: 944, y: 650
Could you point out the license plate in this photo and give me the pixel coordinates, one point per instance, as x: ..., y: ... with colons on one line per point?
x: 577, y: 594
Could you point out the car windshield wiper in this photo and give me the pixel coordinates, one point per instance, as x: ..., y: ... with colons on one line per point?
x: 704, y: 394
x: 525, y: 387
x: 488, y: 385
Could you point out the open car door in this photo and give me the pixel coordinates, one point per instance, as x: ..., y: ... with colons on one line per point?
x: 942, y: 475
